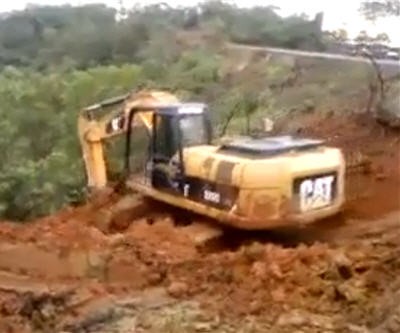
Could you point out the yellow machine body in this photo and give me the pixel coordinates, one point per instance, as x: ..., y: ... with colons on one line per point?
x: 297, y: 185
x: 290, y: 189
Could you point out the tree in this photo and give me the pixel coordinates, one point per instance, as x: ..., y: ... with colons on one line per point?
x: 382, y: 38
x: 339, y: 35
x: 363, y: 37
x: 374, y: 9
x: 43, y: 36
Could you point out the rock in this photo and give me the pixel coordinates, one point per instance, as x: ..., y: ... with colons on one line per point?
x: 48, y: 311
x: 253, y: 252
x: 351, y: 293
x: 117, y: 239
x: 177, y: 289
x: 203, y: 327
x: 259, y: 269
x: 278, y: 295
x: 276, y: 271
x: 341, y: 259
x: 155, y: 278
x: 91, y: 319
x: 255, y: 307
x: 323, y: 322
x: 306, y: 321
x: 294, y: 318
x: 343, y: 264
x: 102, y: 220
x: 380, y: 176
x: 96, y: 259
x: 357, y: 329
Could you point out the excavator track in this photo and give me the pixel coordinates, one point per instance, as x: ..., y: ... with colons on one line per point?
x: 135, y: 208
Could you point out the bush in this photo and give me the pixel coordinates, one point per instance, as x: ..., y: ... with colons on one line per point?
x: 41, y: 167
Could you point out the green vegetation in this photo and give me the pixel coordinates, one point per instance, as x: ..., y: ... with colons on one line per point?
x: 93, y: 34
x: 373, y: 9
x: 40, y: 161
x: 41, y: 167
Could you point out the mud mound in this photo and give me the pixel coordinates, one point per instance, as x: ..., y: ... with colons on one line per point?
x: 376, y: 190
x: 254, y: 278
x: 353, y: 283
x: 164, y: 239
x: 307, y: 287
x: 38, y: 310
x: 142, y: 256
x: 70, y: 227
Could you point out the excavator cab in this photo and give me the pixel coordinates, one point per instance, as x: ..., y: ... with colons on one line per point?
x: 174, y: 128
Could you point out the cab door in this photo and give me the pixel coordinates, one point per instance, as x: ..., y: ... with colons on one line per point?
x: 166, y: 171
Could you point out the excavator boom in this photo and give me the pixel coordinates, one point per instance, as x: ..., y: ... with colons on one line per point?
x: 105, y: 120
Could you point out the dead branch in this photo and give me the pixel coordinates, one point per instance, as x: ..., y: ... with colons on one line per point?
x: 373, y: 87
x: 228, y: 120
x: 371, y: 97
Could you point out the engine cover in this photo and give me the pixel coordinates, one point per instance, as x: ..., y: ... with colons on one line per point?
x: 267, y: 181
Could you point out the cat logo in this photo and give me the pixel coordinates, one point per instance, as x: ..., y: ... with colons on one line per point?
x: 316, y: 193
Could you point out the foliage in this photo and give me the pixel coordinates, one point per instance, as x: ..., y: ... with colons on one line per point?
x: 41, y: 167
x: 339, y: 35
x: 388, y: 109
x: 363, y: 37
x: 372, y: 9
x: 40, y: 162
x: 93, y: 35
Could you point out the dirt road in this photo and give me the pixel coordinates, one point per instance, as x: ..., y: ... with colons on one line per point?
x: 391, y: 67
x: 61, y: 274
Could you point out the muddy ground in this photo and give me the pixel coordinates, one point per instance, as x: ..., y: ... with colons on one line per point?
x: 61, y: 274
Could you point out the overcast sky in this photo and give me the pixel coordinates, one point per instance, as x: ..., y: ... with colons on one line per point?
x: 338, y: 14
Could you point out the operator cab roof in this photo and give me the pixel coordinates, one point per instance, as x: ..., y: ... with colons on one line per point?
x: 171, y: 109
x: 182, y: 109
x: 270, y: 146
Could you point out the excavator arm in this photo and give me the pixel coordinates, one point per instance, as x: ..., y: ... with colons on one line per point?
x: 105, y: 120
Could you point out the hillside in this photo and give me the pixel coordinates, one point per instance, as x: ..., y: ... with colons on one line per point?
x: 43, y: 36
x: 61, y: 271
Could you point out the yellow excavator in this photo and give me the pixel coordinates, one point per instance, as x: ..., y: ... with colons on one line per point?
x: 246, y: 183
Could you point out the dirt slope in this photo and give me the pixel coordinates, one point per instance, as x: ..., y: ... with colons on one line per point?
x: 62, y: 274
